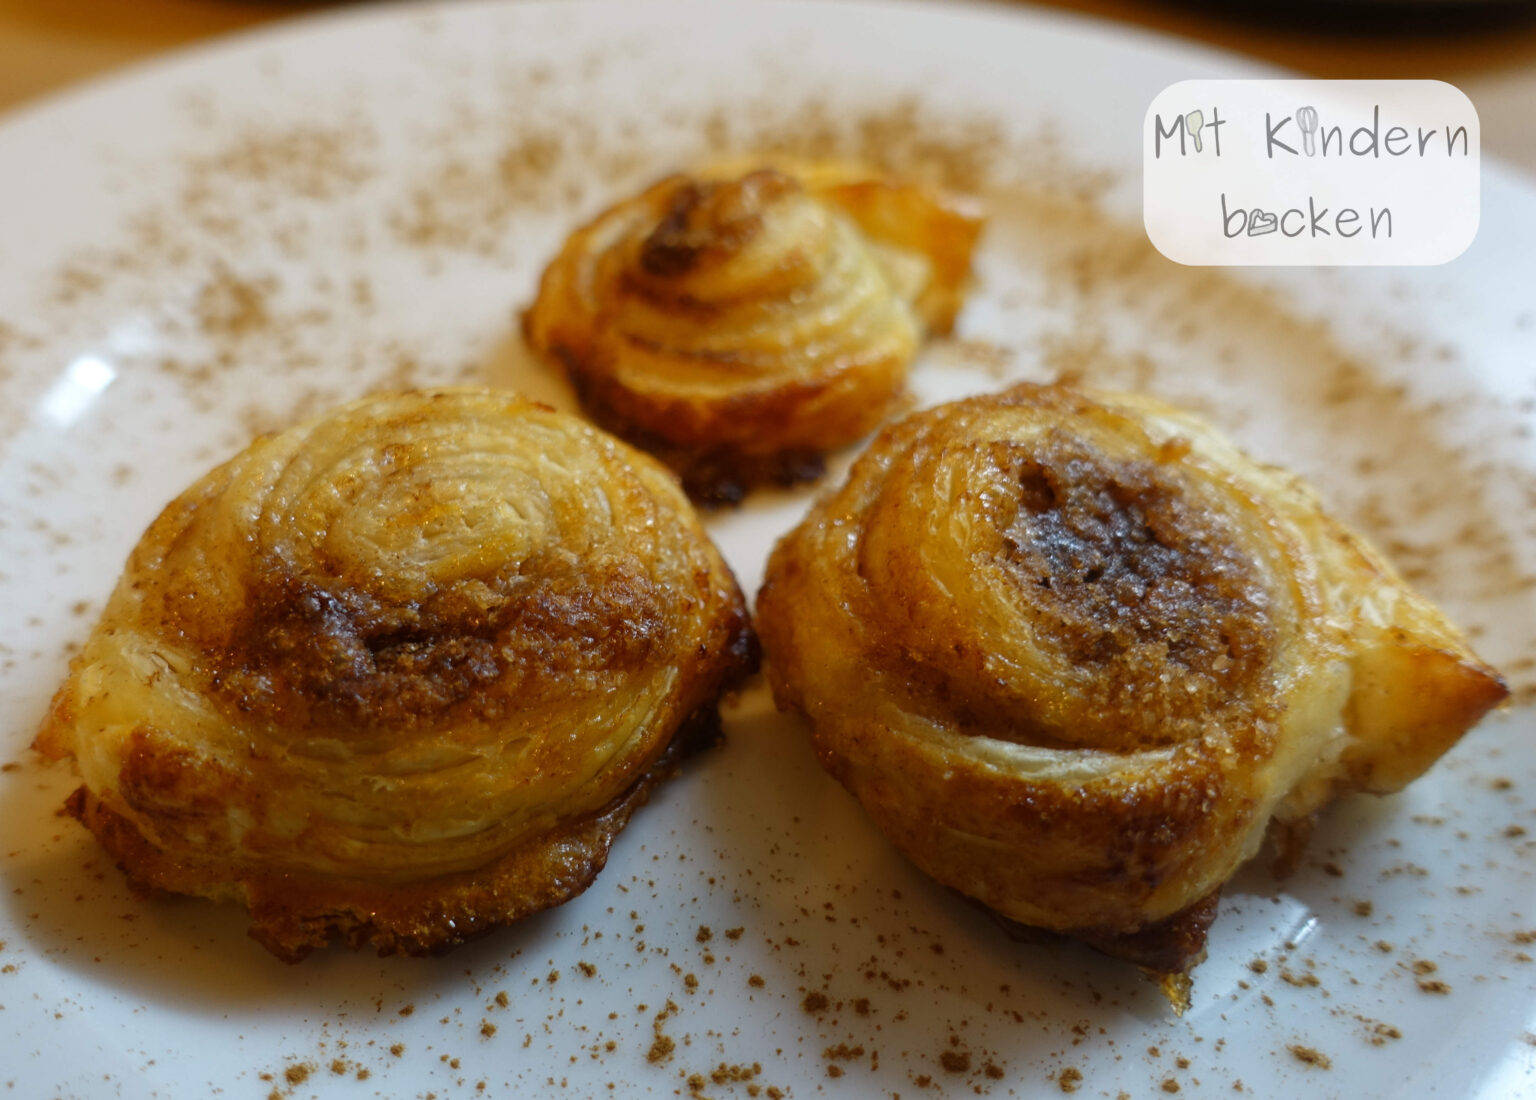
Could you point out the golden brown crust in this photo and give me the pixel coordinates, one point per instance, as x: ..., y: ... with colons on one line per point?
x: 399, y: 673
x: 1074, y: 652
x: 292, y: 914
x: 741, y: 326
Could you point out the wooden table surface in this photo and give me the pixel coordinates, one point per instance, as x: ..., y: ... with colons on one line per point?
x: 1489, y: 53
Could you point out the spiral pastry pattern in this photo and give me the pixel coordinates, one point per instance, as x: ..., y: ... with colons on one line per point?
x: 741, y: 327
x: 1074, y: 653
x: 397, y: 675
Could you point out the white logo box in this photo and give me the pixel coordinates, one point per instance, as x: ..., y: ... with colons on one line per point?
x: 1310, y: 172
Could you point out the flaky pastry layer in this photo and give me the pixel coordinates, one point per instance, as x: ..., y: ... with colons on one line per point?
x: 400, y: 672
x: 741, y: 325
x: 1074, y: 653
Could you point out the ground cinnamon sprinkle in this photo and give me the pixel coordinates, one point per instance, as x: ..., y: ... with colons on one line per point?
x: 313, y: 162
x: 1310, y: 1057
x: 230, y: 307
x: 1383, y: 1033
x: 662, y: 1045
x: 725, y: 1073
x: 1302, y: 980
x: 955, y: 1061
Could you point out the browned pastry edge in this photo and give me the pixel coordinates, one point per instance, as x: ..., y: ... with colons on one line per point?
x: 1172, y: 945
x: 711, y: 477
x: 1167, y: 949
x: 293, y: 914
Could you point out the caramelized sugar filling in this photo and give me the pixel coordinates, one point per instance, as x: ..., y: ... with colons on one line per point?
x: 1127, y: 572
x: 476, y: 648
x: 709, y: 220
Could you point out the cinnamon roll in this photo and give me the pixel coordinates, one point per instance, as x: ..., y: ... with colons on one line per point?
x: 399, y: 675
x: 1075, y: 653
x: 740, y: 327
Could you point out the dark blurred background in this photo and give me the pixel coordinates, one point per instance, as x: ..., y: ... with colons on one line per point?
x: 1485, y: 47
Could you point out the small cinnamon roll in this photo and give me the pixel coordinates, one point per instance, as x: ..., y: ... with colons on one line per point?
x: 399, y: 675
x: 741, y: 327
x: 1075, y: 653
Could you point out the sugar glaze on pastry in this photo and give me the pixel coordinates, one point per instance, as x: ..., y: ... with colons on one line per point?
x: 1074, y: 653
x: 399, y: 674
x: 741, y: 325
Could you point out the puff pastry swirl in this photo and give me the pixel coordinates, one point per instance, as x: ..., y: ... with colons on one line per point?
x: 739, y: 327
x: 399, y: 674
x: 1074, y: 652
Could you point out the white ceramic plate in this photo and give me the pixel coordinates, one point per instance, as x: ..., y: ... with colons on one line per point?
x: 220, y: 243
